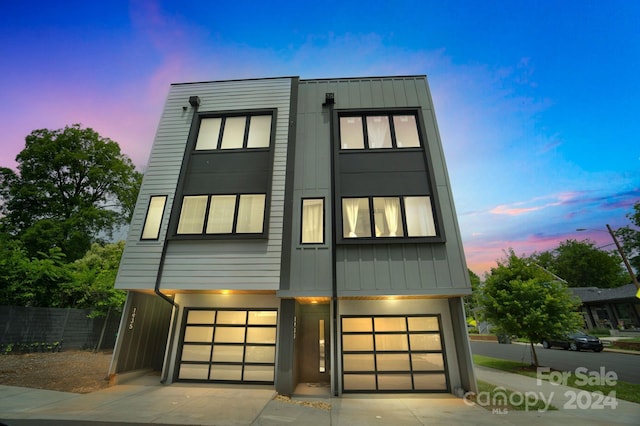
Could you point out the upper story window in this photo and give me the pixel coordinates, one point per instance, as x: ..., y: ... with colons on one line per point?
x: 222, y: 214
x: 387, y: 217
x: 379, y: 131
x: 153, y: 220
x: 234, y: 132
x: 312, y: 221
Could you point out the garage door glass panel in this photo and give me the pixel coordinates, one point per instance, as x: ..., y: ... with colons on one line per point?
x: 358, y: 343
x: 194, y: 371
x: 390, y: 324
x: 427, y: 362
x: 227, y: 353
x: 263, y: 317
x: 358, y: 362
x: 392, y: 362
x: 357, y: 324
x: 425, y: 342
x: 258, y: 373
x: 198, y: 334
x: 196, y: 352
x: 430, y: 382
x: 423, y: 324
x: 231, y: 317
x: 261, y: 335
x: 226, y: 372
x: 359, y: 381
x: 200, y: 317
x: 229, y: 335
x: 260, y: 354
x: 391, y: 342
x: 394, y: 381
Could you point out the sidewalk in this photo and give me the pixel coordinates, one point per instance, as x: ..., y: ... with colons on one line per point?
x: 145, y: 400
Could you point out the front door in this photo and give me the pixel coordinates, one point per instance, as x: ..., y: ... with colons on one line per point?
x: 314, y: 359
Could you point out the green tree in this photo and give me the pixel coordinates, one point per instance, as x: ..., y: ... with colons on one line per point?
x: 31, y: 281
x: 520, y: 298
x: 471, y: 301
x: 93, y: 278
x: 630, y: 237
x: 582, y: 264
x: 73, y: 188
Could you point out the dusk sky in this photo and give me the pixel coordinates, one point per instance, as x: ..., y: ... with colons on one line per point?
x: 537, y: 102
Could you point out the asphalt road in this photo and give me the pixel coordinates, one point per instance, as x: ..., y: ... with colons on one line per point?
x: 626, y: 366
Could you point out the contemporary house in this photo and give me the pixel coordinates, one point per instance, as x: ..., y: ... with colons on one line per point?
x: 293, y: 232
x: 614, y: 308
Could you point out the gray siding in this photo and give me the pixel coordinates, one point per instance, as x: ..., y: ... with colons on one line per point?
x: 311, y: 265
x: 416, y: 269
x: 203, y: 265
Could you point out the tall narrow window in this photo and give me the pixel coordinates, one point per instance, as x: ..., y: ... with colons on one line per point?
x: 250, y: 213
x: 378, y: 131
x: 387, y: 217
x: 313, y: 221
x: 406, y: 131
x: 209, y: 133
x: 192, y: 214
x: 351, y: 135
x: 233, y: 135
x: 221, y: 211
x: 259, y: 131
x: 152, y: 222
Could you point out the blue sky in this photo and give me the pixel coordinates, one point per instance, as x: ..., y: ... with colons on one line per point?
x: 537, y: 102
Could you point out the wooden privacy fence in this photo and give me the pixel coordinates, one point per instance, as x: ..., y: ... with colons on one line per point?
x: 45, y: 329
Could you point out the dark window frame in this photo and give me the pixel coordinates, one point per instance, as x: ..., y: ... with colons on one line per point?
x: 229, y: 114
x: 389, y: 113
x: 146, y: 218
x: 214, y: 324
x: 324, y: 221
x: 409, y: 351
x: 218, y: 236
x: 403, y: 215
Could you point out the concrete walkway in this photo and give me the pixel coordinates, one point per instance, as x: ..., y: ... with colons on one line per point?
x: 145, y: 401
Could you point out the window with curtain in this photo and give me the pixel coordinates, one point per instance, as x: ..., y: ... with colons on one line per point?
x: 152, y: 221
x: 379, y: 131
x: 389, y: 217
x: 312, y: 221
x: 234, y: 132
x: 222, y: 214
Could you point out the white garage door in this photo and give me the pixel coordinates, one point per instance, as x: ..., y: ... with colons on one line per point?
x: 228, y: 345
x: 391, y: 353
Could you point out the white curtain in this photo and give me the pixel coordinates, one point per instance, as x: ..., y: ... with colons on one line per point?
x: 350, y: 207
x: 378, y: 131
x: 312, y: 214
x: 391, y: 214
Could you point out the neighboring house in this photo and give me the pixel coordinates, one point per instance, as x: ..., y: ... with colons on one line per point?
x: 613, y: 308
x: 294, y: 231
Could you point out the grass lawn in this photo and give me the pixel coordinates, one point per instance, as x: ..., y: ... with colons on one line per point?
x: 624, y: 391
x: 503, y: 397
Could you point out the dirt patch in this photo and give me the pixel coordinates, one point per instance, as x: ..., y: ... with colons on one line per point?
x: 67, y: 371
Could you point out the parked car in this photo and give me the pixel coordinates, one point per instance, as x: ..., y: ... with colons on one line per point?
x: 574, y: 341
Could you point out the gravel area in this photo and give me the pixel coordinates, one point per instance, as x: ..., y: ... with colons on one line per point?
x: 68, y: 371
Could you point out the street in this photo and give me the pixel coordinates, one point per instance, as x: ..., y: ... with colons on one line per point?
x: 626, y: 366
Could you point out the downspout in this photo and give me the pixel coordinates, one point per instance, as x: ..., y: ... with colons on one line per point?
x: 194, y: 101
x: 330, y: 102
x: 175, y: 311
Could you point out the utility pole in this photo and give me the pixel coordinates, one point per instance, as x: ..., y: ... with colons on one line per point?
x: 624, y: 258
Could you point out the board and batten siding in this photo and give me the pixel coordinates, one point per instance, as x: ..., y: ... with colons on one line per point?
x: 380, y: 269
x: 207, y: 264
